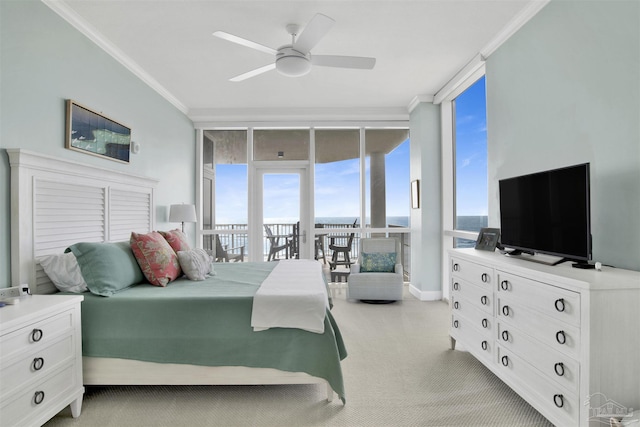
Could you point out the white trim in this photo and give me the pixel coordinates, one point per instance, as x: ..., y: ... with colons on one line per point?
x: 80, y: 24
x: 425, y: 295
x: 472, y: 68
x: 204, y: 117
x: 472, y: 71
x: 418, y: 99
x: 513, y: 26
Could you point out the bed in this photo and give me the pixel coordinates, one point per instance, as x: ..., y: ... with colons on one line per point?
x: 189, y: 332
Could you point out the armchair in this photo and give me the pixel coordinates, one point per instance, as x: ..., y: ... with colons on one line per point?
x: 377, y: 276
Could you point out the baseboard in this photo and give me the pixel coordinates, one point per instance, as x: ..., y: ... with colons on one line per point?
x: 425, y: 295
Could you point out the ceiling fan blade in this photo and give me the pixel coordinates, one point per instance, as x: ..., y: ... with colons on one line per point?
x: 359, y: 62
x: 314, y: 31
x: 253, y: 73
x: 245, y: 42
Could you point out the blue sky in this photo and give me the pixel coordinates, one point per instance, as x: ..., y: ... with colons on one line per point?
x: 471, y: 151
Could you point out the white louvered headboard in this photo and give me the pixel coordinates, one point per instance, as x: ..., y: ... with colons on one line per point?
x: 56, y: 203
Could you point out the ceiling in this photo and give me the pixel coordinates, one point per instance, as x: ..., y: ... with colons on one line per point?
x: 419, y: 45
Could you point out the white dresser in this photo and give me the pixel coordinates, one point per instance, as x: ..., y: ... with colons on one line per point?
x: 40, y: 359
x: 567, y: 340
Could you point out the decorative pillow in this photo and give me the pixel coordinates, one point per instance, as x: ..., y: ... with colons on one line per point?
x: 106, y: 267
x: 196, y: 263
x: 158, y: 261
x: 378, y: 262
x: 177, y: 240
x: 64, y: 272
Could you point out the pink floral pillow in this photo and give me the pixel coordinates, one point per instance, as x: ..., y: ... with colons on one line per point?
x: 176, y: 239
x: 156, y: 258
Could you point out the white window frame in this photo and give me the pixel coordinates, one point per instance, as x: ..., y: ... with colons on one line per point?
x: 446, y: 97
x: 309, y: 165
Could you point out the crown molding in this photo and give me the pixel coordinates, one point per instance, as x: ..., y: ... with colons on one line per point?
x: 475, y: 68
x: 418, y: 99
x: 514, y: 25
x: 69, y: 15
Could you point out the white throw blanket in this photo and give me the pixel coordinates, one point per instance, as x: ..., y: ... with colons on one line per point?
x: 294, y: 295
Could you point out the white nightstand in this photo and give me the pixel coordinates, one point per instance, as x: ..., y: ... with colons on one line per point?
x: 40, y: 359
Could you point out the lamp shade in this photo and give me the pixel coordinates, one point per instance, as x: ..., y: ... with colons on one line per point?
x: 182, y: 213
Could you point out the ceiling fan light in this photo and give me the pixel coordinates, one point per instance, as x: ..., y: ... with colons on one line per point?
x: 293, y: 66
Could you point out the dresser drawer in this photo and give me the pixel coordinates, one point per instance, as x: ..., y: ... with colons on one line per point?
x: 37, y: 334
x: 37, y: 398
x: 557, y: 335
x: 558, y: 303
x: 472, y: 272
x: 477, y: 342
x: 558, y: 404
x: 478, y: 317
x: 36, y: 364
x: 476, y: 295
x: 557, y: 366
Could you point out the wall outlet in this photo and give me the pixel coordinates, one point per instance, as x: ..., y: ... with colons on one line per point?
x: 14, y: 291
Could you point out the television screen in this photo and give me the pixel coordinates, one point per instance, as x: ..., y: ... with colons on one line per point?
x: 548, y: 212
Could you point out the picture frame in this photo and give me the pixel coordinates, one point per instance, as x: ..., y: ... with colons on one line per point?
x: 93, y: 133
x: 415, y: 194
x: 488, y: 239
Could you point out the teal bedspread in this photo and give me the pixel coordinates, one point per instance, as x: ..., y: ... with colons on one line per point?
x: 206, y: 323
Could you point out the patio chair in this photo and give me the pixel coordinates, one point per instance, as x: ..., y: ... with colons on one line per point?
x: 341, y: 249
x: 274, y: 244
x: 225, y: 254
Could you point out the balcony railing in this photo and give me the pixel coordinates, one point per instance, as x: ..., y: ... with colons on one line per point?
x: 236, y: 240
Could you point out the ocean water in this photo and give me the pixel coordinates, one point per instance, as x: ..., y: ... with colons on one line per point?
x: 469, y: 223
x: 402, y: 221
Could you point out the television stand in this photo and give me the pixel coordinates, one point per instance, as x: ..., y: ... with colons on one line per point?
x: 537, y: 257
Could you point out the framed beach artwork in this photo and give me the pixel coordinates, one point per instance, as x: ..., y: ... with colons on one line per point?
x: 93, y: 133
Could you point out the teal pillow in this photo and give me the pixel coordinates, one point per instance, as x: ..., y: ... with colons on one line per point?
x: 378, y: 262
x: 107, y: 267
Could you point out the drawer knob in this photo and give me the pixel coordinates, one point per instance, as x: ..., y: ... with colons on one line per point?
x: 505, y: 360
x: 485, y: 345
x: 455, y: 323
x: 558, y: 399
x: 37, y: 364
x: 504, y: 285
x: 560, y: 304
x: 38, y: 397
x: 456, y: 305
x: 485, y: 323
x: 456, y: 267
x: 561, y: 337
x: 36, y: 335
x: 456, y: 286
x: 506, y: 310
x: 505, y: 335
x: 559, y: 368
x: 484, y: 300
x: 484, y: 277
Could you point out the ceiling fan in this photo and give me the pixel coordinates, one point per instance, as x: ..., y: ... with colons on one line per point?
x: 295, y: 59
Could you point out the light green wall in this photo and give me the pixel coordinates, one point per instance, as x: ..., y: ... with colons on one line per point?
x: 426, y: 222
x: 45, y: 61
x: 565, y: 89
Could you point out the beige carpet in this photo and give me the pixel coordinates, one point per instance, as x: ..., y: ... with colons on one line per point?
x: 399, y: 372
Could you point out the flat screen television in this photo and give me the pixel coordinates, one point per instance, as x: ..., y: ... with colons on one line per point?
x: 549, y: 213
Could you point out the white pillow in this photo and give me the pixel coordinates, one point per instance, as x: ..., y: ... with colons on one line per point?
x: 195, y: 263
x: 64, y: 272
